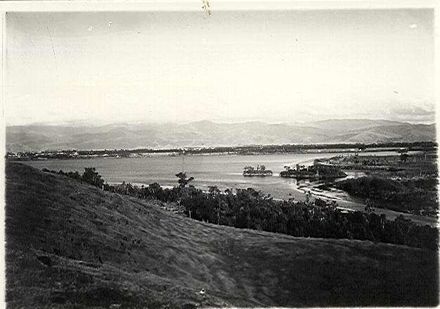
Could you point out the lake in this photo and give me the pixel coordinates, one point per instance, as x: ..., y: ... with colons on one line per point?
x: 223, y: 171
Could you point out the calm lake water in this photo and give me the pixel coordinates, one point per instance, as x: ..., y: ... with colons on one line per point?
x: 223, y: 171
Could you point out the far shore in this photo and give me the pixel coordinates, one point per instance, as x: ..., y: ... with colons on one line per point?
x: 220, y: 151
x: 295, y: 190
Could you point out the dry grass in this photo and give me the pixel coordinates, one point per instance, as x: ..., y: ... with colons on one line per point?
x: 109, y: 249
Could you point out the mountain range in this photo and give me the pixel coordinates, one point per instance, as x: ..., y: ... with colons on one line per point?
x: 208, y: 134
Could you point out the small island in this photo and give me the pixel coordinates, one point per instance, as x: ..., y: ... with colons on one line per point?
x: 260, y: 171
x: 319, y: 170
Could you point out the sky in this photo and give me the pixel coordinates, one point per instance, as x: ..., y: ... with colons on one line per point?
x: 280, y: 66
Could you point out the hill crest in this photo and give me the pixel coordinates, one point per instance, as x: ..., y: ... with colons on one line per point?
x: 69, y: 242
x: 209, y: 134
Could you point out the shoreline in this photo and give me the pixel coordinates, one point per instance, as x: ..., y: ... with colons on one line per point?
x: 352, y: 204
x: 135, y: 153
x: 346, y: 203
x: 284, y: 190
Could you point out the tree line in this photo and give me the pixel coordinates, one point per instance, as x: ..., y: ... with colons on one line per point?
x: 251, y: 209
x: 249, y: 149
x: 411, y: 195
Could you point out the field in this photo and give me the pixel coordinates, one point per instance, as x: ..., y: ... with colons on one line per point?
x: 71, y: 244
x: 407, y: 165
x: 405, y: 183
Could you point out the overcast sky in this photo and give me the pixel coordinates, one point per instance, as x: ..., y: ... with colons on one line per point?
x: 232, y: 66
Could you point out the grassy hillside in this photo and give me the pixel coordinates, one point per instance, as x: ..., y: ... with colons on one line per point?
x: 70, y: 243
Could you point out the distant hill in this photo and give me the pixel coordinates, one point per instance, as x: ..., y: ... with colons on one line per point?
x: 340, y: 125
x: 206, y: 133
x: 71, y: 245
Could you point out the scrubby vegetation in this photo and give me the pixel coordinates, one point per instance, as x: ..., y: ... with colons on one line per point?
x: 250, y: 209
x: 247, y: 208
x: 72, y: 245
x: 90, y: 176
x: 410, y: 195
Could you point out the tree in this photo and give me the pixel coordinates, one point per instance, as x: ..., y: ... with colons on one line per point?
x: 404, y: 157
x: 183, y: 180
x: 92, y: 177
x: 214, y: 191
x: 108, y: 187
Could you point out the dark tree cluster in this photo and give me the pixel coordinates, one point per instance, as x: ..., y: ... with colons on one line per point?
x: 90, y: 176
x: 412, y: 195
x: 248, y: 208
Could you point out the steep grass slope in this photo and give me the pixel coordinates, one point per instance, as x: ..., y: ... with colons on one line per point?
x: 72, y: 244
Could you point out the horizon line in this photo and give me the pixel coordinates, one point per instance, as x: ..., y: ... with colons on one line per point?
x: 100, y: 123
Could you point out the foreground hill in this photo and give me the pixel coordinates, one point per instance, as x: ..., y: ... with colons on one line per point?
x: 70, y: 243
x: 206, y: 133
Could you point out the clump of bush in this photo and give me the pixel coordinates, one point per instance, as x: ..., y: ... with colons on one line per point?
x: 411, y: 195
x: 248, y: 208
x: 90, y: 176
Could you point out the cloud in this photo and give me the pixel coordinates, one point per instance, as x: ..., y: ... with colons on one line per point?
x: 413, y: 114
x: 413, y: 111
